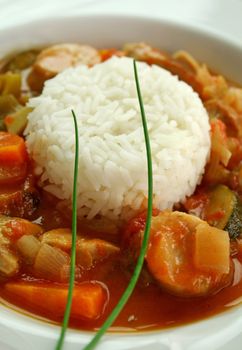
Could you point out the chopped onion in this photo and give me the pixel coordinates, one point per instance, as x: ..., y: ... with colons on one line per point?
x: 28, y: 246
x: 49, y: 262
x: 212, y: 249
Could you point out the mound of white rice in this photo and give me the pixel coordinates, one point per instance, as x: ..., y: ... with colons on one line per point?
x: 112, y: 164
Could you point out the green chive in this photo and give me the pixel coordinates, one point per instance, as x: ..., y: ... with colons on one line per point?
x: 127, y: 293
x: 73, y: 246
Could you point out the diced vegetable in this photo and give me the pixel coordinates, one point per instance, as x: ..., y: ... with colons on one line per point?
x: 14, y: 228
x: 8, y: 262
x: 8, y: 104
x: 171, y: 251
x: 60, y: 238
x: 218, y: 109
x: 16, y: 122
x: 13, y: 158
x: 10, y: 84
x: 4, y: 241
x: 212, y: 249
x: 21, y: 61
x: 144, y: 52
x: 224, y: 210
x: 89, y: 299
x: 49, y: 262
x: 28, y: 246
x: 217, y: 171
x: 12, y: 149
x: 214, y: 86
x: 89, y: 252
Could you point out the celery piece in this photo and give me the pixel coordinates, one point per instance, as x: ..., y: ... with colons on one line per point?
x: 10, y: 84
x: 16, y: 123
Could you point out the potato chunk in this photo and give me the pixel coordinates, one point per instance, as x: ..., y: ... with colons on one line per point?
x: 212, y: 249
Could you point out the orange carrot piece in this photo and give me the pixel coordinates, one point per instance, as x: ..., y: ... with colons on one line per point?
x: 13, y: 158
x: 12, y: 149
x: 88, y: 300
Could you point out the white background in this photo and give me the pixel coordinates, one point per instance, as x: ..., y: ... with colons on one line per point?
x: 220, y: 15
x: 223, y: 16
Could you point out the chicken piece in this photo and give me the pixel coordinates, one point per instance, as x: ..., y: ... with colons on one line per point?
x: 143, y: 52
x: 91, y: 251
x: 11, y: 229
x: 233, y: 97
x: 4, y: 241
x: 55, y: 59
x: 60, y: 238
x: 88, y: 251
x: 9, y: 265
x: 14, y: 228
x: 175, y: 256
x: 232, y: 119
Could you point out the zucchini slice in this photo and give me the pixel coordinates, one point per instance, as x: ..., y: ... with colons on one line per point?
x: 224, y: 210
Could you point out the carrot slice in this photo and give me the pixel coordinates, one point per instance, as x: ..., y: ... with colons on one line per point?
x: 17, y: 227
x: 13, y: 158
x: 12, y: 148
x: 89, y: 298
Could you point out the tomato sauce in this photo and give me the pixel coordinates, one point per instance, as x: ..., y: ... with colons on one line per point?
x: 149, y: 308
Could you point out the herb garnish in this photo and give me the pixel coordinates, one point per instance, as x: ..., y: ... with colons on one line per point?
x: 73, y: 244
x: 127, y: 293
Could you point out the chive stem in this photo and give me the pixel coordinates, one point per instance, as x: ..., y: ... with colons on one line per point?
x: 127, y: 293
x: 73, y: 245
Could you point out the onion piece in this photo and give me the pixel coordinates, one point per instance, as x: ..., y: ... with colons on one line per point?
x: 28, y: 246
x: 212, y: 249
x: 49, y: 262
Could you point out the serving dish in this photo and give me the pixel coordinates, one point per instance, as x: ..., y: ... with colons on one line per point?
x: 21, y: 331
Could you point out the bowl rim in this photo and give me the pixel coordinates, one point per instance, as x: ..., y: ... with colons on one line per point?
x: 51, y: 331
x: 196, y: 28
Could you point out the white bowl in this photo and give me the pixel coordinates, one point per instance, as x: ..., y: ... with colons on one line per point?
x: 20, y: 331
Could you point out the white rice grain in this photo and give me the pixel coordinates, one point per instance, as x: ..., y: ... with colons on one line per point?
x: 112, y: 163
